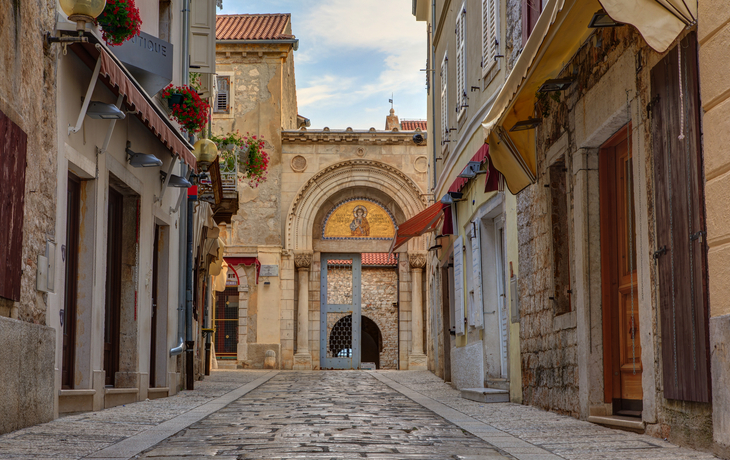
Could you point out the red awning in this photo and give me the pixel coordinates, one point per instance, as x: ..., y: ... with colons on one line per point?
x: 233, y: 261
x: 481, y: 156
x: 423, y: 222
x: 116, y: 78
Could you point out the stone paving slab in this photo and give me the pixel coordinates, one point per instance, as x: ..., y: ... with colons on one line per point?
x: 81, y: 435
x: 325, y: 415
x: 516, y: 425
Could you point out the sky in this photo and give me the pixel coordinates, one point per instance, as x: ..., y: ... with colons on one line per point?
x: 353, y: 54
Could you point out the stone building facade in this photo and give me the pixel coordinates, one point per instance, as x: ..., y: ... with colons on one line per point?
x: 28, y: 212
x: 279, y: 224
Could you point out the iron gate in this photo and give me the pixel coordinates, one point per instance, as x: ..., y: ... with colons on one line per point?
x: 339, y: 343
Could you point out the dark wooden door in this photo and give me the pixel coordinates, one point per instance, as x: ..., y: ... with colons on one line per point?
x: 68, y: 316
x: 153, y: 322
x: 113, y: 286
x: 622, y: 344
x: 446, y: 322
x: 680, y: 224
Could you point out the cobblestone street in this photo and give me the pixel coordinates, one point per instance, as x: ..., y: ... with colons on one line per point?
x: 329, y: 415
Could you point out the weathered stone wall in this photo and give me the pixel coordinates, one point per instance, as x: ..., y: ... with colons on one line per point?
x: 513, y: 36
x: 28, y: 98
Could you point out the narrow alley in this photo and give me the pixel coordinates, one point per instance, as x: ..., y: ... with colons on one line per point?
x: 322, y: 415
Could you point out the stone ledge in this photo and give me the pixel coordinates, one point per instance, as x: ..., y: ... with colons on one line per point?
x: 485, y: 395
x: 77, y: 392
x: 155, y: 393
x: 618, y: 421
x: 120, y: 391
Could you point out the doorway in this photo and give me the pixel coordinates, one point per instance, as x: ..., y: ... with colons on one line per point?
x: 153, y: 325
x: 340, y: 307
x: 113, y: 286
x: 619, y: 284
x: 68, y: 317
x: 226, y: 324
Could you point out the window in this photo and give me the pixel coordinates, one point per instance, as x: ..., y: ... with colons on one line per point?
x: 165, y: 20
x: 223, y: 94
x: 490, y: 35
x: 444, y: 101
x: 531, y: 10
x: 560, y: 243
x: 461, y: 62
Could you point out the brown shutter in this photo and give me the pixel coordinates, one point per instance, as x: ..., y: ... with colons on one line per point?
x: 13, y: 142
x: 680, y: 224
x: 531, y: 10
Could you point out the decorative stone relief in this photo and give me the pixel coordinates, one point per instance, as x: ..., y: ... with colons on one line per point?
x: 360, y: 152
x: 298, y: 164
x: 420, y: 164
x: 303, y: 260
x: 417, y: 260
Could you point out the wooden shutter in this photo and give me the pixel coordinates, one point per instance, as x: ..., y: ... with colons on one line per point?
x: 489, y: 34
x: 444, y: 99
x: 222, y: 97
x: 459, y: 286
x: 13, y: 144
x: 476, y: 315
x: 460, y: 61
x: 680, y: 225
x: 531, y: 10
x: 202, y: 36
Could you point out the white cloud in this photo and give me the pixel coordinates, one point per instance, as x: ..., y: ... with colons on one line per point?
x: 327, y: 89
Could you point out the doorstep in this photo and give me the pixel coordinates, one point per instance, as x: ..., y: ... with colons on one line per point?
x: 485, y: 395
x: 620, y: 422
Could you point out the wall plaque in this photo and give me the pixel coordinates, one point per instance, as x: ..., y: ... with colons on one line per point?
x: 269, y: 270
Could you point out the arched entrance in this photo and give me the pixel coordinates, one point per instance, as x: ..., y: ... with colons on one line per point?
x: 371, y: 340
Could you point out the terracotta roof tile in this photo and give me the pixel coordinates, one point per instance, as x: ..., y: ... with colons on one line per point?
x: 371, y: 258
x: 411, y: 125
x: 252, y: 26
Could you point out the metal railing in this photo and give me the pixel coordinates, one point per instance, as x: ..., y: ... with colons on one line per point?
x: 228, y: 165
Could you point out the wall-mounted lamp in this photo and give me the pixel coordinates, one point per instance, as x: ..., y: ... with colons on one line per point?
x: 556, y: 84
x: 141, y: 160
x: 602, y: 19
x: 205, y: 152
x: 103, y: 111
x: 452, y: 197
x: 82, y: 11
x: 175, y: 180
x: 472, y: 169
x: 524, y: 125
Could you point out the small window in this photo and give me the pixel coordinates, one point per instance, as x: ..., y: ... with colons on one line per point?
x: 531, y: 10
x: 223, y: 94
x: 560, y: 238
x: 165, y: 20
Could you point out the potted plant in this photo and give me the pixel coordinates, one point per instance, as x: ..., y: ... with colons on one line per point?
x: 187, y: 107
x: 253, y: 161
x: 119, y: 21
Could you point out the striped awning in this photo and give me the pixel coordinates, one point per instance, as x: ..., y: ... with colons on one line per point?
x: 423, y: 222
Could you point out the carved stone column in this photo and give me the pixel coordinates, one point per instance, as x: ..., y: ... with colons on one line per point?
x: 417, y: 359
x: 303, y: 358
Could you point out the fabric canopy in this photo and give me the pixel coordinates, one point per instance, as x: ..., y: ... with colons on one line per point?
x: 481, y: 156
x: 233, y: 261
x: 423, y: 222
x: 658, y: 21
x: 117, y: 79
x: 557, y: 36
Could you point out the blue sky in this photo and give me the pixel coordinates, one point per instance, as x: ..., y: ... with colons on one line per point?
x: 352, y: 55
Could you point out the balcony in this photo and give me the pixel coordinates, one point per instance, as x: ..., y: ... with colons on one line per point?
x: 220, y: 187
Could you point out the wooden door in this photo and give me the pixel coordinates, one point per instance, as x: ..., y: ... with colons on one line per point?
x: 113, y: 286
x: 68, y: 316
x: 622, y: 344
x: 681, y: 249
x: 153, y: 322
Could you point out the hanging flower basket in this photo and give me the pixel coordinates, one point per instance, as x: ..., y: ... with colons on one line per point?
x: 119, y: 21
x: 253, y: 162
x: 187, y: 107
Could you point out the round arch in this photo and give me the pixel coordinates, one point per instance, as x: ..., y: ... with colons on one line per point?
x: 356, y: 173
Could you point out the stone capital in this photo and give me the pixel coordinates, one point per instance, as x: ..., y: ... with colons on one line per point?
x: 417, y: 259
x: 303, y: 260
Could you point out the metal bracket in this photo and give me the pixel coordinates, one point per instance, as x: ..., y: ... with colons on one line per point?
x: 660, y: 252
x: 87, y: 99
x: 112, y: 124
x: 158, y: 199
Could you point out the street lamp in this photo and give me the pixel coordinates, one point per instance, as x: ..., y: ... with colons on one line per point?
x: 205, y: 153
x: 82, y: 11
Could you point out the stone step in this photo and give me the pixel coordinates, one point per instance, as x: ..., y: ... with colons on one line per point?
x: 499, y: 384
x: 485, y: 395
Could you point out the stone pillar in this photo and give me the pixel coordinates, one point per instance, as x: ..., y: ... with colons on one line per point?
x: 303, y: 358
x: 417, y: 359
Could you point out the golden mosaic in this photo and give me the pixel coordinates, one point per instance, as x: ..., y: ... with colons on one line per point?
x: 359, y: 218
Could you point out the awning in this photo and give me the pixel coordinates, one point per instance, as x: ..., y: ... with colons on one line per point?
x: 560, y: 31
x: 119, y: 81
x: 481, y: 156
x: 658, y: 21
x: 233, y: 261
x: 423, y: 222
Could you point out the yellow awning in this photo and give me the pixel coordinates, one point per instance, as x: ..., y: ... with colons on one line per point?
x: 658, y: 21
x: 557, y: 36
x: 559, y: 32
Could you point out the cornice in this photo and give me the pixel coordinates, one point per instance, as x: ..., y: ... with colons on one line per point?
x: 350, y: 136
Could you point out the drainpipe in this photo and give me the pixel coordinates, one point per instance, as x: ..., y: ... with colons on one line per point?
x: 181, y: 285
x: 189, y: 339
x: 433, y: 93
x: 185, y: 52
